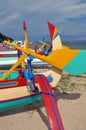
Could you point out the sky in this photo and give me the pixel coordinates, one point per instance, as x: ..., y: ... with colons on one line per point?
x: 69, y: 16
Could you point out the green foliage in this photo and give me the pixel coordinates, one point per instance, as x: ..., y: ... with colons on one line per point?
x: 3, y: 37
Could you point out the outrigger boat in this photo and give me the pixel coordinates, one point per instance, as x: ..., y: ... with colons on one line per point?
x: 8, y: 61
x: 14, y: 93
x: 28, y: 88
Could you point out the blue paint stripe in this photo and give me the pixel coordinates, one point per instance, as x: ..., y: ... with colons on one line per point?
x: 77, y: 65
x: 8, y: 84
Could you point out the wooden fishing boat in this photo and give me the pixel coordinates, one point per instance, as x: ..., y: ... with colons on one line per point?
x: 14, y: 93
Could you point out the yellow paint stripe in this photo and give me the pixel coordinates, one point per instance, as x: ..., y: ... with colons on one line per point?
x: 55, y: 31
x: 26, y: 38
x: 62, y: 57
x: 14, y: 66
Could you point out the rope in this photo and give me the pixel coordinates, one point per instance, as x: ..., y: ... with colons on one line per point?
x: 49, y: 93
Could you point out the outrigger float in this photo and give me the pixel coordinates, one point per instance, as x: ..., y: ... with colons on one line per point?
x: 28, y: 88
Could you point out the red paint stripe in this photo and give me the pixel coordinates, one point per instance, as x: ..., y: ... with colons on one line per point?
x: 1, y: 55
x: 24, y: 25
x: 20, y: 82
x: 51, y: 29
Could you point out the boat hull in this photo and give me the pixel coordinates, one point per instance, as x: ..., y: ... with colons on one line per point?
x: 7, y: 62
x: 12, y: 83
x: 10, y: 104
x: 14, y: 95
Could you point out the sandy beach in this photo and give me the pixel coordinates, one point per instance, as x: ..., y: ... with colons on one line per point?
x: 71, y: 95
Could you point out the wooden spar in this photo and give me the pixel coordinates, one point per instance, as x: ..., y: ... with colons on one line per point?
x: 14, y: 66
x: 55, y: 58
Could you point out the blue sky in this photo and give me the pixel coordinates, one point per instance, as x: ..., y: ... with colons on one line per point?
x: 68, y: 15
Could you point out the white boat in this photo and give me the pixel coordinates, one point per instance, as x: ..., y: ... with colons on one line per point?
x: 8, y: 52
x: 10, y: 56
x: 6, y: 62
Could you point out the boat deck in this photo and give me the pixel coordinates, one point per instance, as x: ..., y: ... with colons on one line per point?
x: 12, y: 93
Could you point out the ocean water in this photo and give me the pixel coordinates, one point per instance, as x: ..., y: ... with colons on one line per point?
x: 70, y: 45
x: 76, y: 45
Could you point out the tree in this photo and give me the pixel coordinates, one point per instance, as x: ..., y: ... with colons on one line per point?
x: 3, y: 37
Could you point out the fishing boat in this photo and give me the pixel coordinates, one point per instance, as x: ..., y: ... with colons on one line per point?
x: 14, y: 93
x: 7, y: 62
x: 19, y: 96
x: 28, y: 87
x: 9, y: 57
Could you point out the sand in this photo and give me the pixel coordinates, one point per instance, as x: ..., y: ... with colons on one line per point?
x: 71, y: 102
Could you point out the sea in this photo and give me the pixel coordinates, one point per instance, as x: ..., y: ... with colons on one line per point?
x: 76, y: 45
x: 73, y: 45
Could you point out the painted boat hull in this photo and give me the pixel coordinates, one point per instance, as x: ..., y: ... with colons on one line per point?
x: 10, y: 104
x: 13, y: 96
x: 6, y: 62
x: 9, y: 52
x: 13, y: 75
x: 12, y: 83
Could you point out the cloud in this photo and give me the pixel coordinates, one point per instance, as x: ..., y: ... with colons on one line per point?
x: 2, y: 13
x: 7, y: 19
x: 64, y: 9
x: 67, y: 14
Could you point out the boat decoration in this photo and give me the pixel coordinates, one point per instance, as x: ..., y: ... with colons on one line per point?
x: 28, y: 88
x: 14, y: 93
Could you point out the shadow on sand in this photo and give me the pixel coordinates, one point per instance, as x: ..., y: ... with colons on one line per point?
x: 39, y: 104
x: 66, y: 95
